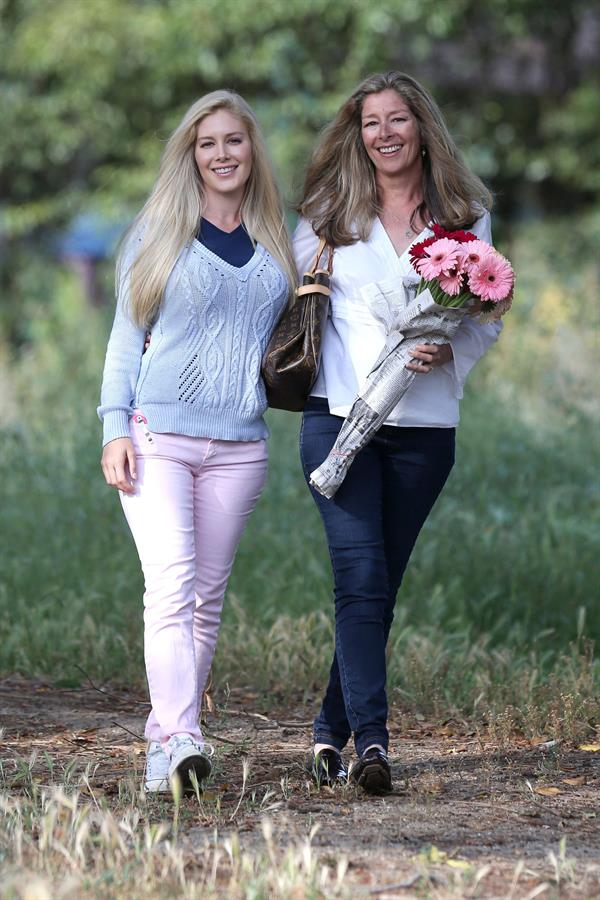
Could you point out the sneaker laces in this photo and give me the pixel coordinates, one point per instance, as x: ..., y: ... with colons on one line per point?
x: 178, y: 740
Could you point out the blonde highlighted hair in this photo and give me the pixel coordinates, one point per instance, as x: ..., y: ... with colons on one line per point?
x: 340, y: 192
x: 171, y: 216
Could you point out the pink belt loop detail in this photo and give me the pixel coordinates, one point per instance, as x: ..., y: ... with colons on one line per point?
x: 140, y: 419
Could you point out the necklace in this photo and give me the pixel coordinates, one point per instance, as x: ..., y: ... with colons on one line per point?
x: 408, y: 229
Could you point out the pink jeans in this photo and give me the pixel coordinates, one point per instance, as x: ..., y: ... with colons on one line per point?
x: 193, y: 498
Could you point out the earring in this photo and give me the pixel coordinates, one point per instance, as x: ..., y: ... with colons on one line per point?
x: 423, y: 151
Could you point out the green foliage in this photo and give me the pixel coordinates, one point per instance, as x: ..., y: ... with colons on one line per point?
x: 91, y: 89
x: 570, y: 132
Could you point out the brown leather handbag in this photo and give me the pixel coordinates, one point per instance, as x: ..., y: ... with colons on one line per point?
x: 291, y: 361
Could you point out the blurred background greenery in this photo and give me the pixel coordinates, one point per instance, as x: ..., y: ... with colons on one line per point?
x: 90, y: 89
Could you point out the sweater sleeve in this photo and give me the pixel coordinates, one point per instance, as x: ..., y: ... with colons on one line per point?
x: 472, y: 340
x: 123, y: 358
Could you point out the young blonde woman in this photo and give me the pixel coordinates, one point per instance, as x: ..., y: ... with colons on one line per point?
x: 207, y: 269
x: 384, y: 171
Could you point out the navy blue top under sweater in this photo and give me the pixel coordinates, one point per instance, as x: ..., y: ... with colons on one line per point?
x: 235, y: 247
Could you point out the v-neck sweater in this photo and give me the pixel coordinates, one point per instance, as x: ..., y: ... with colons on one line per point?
x: 200, y: 376
x: 354, y: 338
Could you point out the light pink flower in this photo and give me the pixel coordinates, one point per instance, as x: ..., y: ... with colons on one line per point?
x: 493, y: 279
x: 451, y: 283
x: 474, y: 254
x: 441, y: 257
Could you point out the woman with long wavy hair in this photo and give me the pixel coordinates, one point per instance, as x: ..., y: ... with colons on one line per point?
x: 206, y: 269
x: 385, y: 170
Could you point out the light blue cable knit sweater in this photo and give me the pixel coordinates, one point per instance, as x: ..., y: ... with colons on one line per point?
x: 201, y: 373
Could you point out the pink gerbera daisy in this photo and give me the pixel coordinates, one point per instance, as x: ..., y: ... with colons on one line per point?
x: 441, y: 257
x: 474, y: 253
x: 493, y: 279
x: 452, y: 282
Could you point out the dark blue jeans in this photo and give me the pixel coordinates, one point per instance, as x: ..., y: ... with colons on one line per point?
x: 371, y: 524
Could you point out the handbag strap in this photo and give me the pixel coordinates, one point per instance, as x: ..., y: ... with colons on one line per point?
x: 311, y: 281
x: 323, y: 245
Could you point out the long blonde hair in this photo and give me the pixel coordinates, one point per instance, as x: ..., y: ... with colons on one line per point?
x: 340, y: 192
x: 171, y: 215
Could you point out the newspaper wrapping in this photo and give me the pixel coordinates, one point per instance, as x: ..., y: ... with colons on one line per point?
x: 422, y: 321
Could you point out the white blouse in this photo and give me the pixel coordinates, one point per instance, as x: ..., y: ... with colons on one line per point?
x: 354, y: 337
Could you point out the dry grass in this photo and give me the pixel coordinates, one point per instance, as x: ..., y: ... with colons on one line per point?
x: 477, y: 811
x: 57, y: 844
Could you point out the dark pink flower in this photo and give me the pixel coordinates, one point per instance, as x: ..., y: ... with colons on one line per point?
x: 461, y: 236
x: 417, y: 251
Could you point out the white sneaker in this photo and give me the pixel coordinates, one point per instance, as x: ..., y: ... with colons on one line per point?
x: 156, y: 776
x: 186, y: 756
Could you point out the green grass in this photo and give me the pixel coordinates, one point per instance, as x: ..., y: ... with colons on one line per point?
x: 505, y: 564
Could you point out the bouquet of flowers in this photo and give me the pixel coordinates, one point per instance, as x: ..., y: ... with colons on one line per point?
x: 460, y: 275
x: 458, y: 269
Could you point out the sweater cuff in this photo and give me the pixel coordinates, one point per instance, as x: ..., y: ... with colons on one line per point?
x: 115, y: 425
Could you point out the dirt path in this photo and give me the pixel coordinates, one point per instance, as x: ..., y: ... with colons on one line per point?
x: 467, y: 818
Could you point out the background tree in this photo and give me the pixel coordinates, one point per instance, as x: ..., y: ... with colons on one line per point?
x: 91, y: 88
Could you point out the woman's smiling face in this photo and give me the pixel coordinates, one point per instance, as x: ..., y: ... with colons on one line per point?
x: 390, y: 133
x: 223, y: 152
